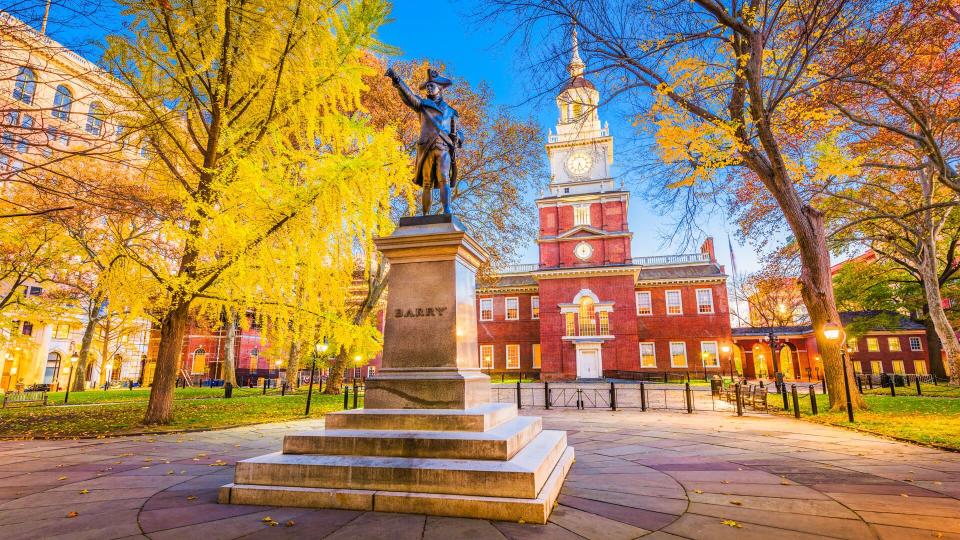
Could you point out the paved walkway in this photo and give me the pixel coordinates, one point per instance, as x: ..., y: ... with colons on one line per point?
x: 658, y: 474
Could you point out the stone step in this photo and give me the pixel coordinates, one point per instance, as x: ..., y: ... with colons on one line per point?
x: 535, y: 510
x: 521, y: 476
x: 499, y: 443
x: 480, y: 418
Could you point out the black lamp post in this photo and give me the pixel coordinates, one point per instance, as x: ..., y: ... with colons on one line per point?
x: 833, y: 332
x: 318, y: 349
x: 73, y: 362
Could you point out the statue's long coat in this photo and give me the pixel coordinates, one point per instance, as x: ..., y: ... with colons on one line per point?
x: 434, y: 117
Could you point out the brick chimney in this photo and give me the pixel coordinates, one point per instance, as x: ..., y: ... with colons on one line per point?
x: 707, y: 248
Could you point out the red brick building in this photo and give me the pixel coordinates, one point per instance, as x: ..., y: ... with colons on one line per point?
x: 588, y: 308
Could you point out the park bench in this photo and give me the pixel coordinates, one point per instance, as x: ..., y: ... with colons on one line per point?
x: 24, y: 398
x: 758, y: 398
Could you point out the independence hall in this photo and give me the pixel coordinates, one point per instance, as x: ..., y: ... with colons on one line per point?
x: 589, y: 309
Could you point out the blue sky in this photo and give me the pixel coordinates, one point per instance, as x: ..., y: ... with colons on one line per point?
x: 444, y: 30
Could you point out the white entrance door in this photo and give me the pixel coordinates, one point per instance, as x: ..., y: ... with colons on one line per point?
x: 588, y: 364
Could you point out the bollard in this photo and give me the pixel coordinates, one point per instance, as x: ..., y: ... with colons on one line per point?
x: 613, y: 397
x: 859, y: 383
x: 739, y: 400
x: 518, y: 395
x: 823, y: 382
x: 870, y: 382
x: 546, y: 394
x: 783, y: 392
x: 813, y: 400
x: 130, y: 386
x: 346, y: 397
x: 643, y: 397
x: 796, y: 401
x: 283, y: 389
x: 356, y: 394
x: 917, y: 380
x: 689, y: 396
x: 265, y: 386
x: 893, y: 387
x: 579, y: 398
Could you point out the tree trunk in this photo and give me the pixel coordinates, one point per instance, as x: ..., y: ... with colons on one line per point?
x: 80, y: 370
x: 172, y: 328
x: 934, y: 348
x: 230, y: 350
x: 931, y: 290
x: 335, y: 379
x: 293, y: 365
x: 104, y: 353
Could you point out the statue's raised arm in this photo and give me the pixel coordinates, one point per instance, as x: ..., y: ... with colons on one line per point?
x: 436, y: 166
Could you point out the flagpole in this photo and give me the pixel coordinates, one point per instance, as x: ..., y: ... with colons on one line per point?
x: 46, y: 15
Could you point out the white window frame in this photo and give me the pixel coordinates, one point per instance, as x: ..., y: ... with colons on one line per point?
x: 876, y: 341
x: 493, y: 360
x: 536, y: 358
x: 649, y: 296
x: 535, y: 307
x: 581, y: 215
x: 506, y: 308
x: 699, y: 305
x: 894, y: 341
x: 716, y: 354
x: 686, y: 359
x: 371, y: 370
x: 488, y: 301
x: 516, y: 349
x: 666, y: 299
x: 918, y: 341
x: 653, y: 349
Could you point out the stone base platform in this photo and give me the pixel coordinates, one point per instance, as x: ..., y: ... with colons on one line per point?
x: 497, y: 465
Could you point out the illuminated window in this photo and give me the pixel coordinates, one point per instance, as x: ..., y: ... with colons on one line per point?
x: 581, y: 215
x: 588, y: 325
x: 708, y: 353
x: 486, y: 309
x: 486, y: 357
x: 893, y: 343
x: 644, y: 303
x: 873, y: 344
x: 25, y: 86
x: 604, y: 323
x: 919, y: 367
x: 648, y: 355
x: 536, y: 356
x: 704, y: 301
x: 199, y: 361
x: 915, y: 344
x: 876, y: 367
x: 898, y: 367
x: 513, y: 356
x: 513, y: 308
x: 534, y: 307
x: 571, y: 330
x: 852, y: 344
x: 61, y: 331
x: 674, y: 304
x: 62, y: 101
x: 678, y: 354
x: 858, y: 367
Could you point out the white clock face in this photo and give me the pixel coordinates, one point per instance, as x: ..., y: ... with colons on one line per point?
x: 579, y: 163
x: 583, y: 251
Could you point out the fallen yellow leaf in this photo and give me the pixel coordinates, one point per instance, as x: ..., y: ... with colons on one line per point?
x: 731, y: 523
x: 72, y: 514
x: 84, y: 491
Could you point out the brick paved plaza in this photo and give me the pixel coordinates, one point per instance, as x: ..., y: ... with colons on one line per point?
x: 657, y: 474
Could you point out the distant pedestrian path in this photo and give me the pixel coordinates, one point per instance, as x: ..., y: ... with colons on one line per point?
x: 668, y: 475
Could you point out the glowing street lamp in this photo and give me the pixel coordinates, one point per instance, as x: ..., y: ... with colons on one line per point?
x: 833, y: 333
x: 318, y: 349
x: 73, y: 362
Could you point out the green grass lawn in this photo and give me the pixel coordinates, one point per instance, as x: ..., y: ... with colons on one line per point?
x: 928, y: 390
x: 925, y: 420
x: 121, y: 418
x: 143, y: 394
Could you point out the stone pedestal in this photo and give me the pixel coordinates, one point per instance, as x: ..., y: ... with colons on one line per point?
x: 428, y: 441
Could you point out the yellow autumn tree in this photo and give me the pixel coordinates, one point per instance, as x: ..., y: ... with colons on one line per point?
x: 241, y: 106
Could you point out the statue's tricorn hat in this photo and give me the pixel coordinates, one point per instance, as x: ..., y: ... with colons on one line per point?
x: 433, y: 76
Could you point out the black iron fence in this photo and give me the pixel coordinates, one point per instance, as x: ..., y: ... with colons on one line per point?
x: 613, y: 396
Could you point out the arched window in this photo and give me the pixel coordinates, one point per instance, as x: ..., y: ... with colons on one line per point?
x: 199, y: 361
x: 95, y: 119
x: 588, y: 324
x: 62, y: 101
x: 53, y: 367
x: 25, y: 86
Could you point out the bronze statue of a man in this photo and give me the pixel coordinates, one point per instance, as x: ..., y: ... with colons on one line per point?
x: 436, y: 166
